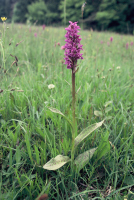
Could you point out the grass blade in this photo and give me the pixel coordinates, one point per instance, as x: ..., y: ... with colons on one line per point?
x: 54, y: 110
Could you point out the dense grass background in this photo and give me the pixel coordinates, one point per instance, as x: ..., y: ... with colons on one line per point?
x: 30, y: 134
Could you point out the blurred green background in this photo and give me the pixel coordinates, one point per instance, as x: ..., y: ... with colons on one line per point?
x: 112, y: 15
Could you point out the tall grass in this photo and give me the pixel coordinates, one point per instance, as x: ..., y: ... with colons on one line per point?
x: 30, y: 134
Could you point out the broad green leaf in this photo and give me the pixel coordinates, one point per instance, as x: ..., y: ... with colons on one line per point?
x: 83, y: 158
x: 107, y: 103
x: 56, y: 163
x: 54, y: 110
x: 108, y: 117
x: 98, y: 113
x: 86, y: 132
x: 108, y: 109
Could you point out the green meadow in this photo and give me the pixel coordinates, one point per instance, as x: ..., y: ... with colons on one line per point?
x: 31, y: 59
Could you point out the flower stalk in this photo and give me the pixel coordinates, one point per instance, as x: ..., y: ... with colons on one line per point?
x: 73, y: 115
x: 72, y: 54
x: 2, y: 42
x: 64, y: 12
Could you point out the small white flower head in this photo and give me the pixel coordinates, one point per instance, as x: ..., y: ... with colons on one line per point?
x: 46, y: 102
x: 51, y: 86
x: 118, y: 67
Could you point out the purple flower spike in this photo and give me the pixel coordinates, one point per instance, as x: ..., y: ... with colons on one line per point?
x: 72, y: 46
x: 35, y: 35
x: 43, y: 26
x: 111, y: 39
x: 127, y: 44
x: 131, y: 43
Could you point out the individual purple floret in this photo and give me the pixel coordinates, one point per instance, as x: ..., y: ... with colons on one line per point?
x: 72, y: 46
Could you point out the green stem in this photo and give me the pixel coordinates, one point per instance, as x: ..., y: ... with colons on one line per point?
x: 64, y: 12
x: 73, y: 115
x: 3, y: 54
x: 2, y: 43
x: 82, y: 20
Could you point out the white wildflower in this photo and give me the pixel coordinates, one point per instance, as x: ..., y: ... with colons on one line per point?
x: 118, y: 67
x: 51, y: 86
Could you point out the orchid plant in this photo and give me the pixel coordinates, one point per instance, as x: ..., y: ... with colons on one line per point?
x: 72, y: 54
